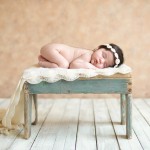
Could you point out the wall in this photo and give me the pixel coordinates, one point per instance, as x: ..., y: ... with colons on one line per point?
x: 25, y: 26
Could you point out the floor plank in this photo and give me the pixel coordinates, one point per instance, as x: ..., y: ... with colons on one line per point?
x: 106, y: 138
x: 66, y: 137
x: 4, y: 100
x: 48, y: 133
x: 86, y: 138
x: 114, y: 110
x: 144, y: 109
x: 141, y: 128
x: 147, y: 101
x: 73, y: 114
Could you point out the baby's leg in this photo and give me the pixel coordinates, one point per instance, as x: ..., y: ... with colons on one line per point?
x: 52, y: 55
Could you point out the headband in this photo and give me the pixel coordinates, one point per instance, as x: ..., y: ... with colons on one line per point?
x: 117, y: 60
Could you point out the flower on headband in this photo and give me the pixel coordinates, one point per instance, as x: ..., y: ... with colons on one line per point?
x: 117, y: 61
x: 116, y: 55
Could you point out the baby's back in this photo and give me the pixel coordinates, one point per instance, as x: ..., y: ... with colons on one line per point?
x: 71, y: 53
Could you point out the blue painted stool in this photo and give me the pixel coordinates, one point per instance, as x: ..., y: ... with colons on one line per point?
x: 118, y: 83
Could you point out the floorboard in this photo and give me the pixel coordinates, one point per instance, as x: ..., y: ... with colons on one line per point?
x: 86, y: 138
x: 106, y: 137
x: 120, y: 130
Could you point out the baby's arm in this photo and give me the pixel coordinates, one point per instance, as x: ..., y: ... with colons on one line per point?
x: 82, y: 62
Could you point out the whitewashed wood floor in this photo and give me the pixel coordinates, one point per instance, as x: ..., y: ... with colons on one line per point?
x: 82, y: 124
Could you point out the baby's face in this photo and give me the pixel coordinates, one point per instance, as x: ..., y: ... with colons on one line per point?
x: 102, y: 58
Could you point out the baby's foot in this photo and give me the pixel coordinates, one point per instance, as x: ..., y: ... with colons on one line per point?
x: 41, y: 58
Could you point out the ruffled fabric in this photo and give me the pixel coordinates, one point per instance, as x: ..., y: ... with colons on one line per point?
x: 14, y: 115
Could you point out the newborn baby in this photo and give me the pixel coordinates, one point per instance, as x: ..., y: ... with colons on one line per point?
x: 64, y: 56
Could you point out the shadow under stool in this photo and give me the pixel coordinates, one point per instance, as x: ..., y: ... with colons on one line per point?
x: 117, y: 83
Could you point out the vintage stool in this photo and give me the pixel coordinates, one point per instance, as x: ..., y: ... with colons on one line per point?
x: 118, y: 83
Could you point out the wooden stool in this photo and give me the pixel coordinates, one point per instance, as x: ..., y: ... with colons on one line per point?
x: 118, y: 83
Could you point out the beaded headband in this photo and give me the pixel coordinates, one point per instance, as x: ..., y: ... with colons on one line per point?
x: 117, y: 60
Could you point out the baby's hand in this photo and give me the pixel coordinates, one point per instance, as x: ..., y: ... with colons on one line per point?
x: 101, y: 66
x: 93, y: 67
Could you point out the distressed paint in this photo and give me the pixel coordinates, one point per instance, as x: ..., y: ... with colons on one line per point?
x: 27, y: 115
x: 81, y: 86
x: 123, y: 108
x: 129, y: 115
x: 34, y: 96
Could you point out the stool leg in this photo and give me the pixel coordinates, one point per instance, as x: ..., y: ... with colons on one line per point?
x: 123, y: 108
x: 36, y: 109
x: 27, y: 115
x: 129, y: 115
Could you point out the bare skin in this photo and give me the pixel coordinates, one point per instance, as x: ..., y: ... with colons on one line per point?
x: 64, y: 56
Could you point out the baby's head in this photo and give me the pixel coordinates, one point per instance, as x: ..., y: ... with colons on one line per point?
x: 107, y: 55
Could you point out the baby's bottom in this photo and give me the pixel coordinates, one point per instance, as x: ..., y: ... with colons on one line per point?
x: 51, y: 58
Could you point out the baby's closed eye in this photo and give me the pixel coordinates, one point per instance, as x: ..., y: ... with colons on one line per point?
x: 104, y: 55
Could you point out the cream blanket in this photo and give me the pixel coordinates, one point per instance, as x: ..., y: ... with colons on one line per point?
x: 13, y: 117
